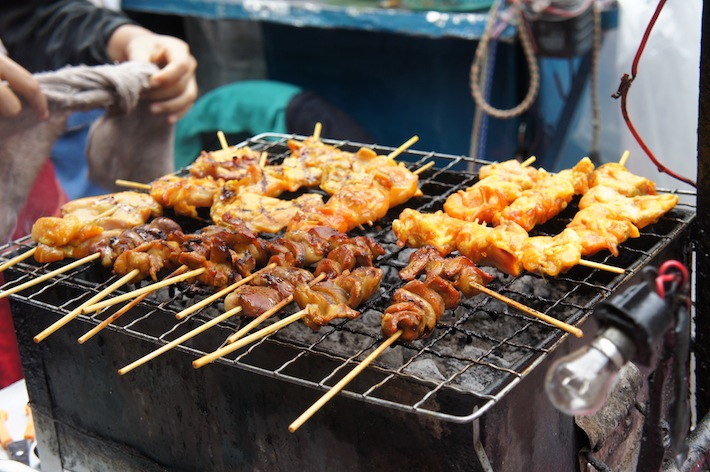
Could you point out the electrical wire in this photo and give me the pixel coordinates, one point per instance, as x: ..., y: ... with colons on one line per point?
x: 623, y: 91
x: 671, y: 272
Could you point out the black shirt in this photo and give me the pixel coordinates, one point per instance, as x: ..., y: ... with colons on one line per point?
x: 43, y: 35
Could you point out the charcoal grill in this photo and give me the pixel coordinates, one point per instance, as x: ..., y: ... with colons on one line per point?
x: 447, y: 385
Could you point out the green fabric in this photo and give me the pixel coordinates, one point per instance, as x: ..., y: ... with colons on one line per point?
x: 252, y: 107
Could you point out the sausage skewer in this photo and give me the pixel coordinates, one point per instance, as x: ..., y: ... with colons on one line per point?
x: 217, y: 295
x: 320, y: 303
x: 267, y: 314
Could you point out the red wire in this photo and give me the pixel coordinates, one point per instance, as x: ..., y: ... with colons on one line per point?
x: 665, y: 277
x: 623, y: 91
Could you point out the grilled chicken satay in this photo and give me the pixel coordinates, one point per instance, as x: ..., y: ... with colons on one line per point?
x: 549, y: 196
x: 337, y: 297
x: 613, y: 175
x: 222, y: 174
x: 185, y: 195
x: 227, y: 254
x: 510, y: 249
x: 225, y: 164
x: 88, y: 218
x: 642, y: 210
x: 418, y: 305
x: 260, y: 213
x: 339, y: 172
x: 497, y: 246
x: 361, y: 200
x: 498, y: 185
x: 415, y: 229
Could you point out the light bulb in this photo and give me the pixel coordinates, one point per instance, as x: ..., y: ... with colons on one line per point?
x: 579, y: 383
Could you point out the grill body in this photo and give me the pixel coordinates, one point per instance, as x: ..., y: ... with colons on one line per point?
x: 169, y: 416
x: 469, y: 395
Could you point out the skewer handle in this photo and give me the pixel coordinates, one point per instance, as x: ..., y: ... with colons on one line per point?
x: 527, y: 162
x: 317, y: 129
x: 178, y: 341
x: 222, y: 139
x: 95, y: 330
x: 624, y: 158
x: 18, y: 259
x: 229, y: 348
x: 49, y: 275
x: 600, y: 266
x: 406, y: 145
x: 343, y: 382
x: 142, y: 290
x: 424, y: 168
x: 260, y: 319
x: 78, y: 310
x: 131, y: 184
x: 530, y: 311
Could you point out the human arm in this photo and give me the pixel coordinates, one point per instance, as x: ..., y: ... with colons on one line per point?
x: 46, y: 35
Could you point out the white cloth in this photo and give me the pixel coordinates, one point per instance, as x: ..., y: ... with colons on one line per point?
x: 128, y: 142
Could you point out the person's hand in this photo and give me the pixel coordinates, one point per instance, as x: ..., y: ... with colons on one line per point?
x: 173, y: 89
x: 16, y: 80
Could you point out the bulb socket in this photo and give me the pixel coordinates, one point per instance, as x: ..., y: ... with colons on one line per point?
x: 641, y: 315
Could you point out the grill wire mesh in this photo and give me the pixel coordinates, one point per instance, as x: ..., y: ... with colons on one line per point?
x: 477, y: 354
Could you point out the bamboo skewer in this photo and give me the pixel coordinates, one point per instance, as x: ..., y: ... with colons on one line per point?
x: 222, y: 139
x: 248, y: 340
x: 49, y: 275
x: 268, y: 313
x: 217, y: 295
x: 179, y: 340
x: 527, y: 162
x: 600, y: 266
x: 260, y: 319
x: 132, y: 184
x: 624, y: 158
x: 95, y: 330
x: 142, y: 290
x: 263, y: 159
x: 317, y: 130
x: 343, y: 382
x: 18, y: 259
x: 78, y: 310
x: 406, y: 145
x: 424, y: 168
x: 530, y: 311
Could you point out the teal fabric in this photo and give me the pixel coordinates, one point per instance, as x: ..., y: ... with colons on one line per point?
x: 252, y: 107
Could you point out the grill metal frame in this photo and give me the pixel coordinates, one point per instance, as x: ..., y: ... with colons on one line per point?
x: 477, y: 355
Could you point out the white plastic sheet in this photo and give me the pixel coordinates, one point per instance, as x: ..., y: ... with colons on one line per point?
x: 663, y: 99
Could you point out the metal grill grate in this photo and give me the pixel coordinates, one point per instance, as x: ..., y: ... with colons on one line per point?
x: 477, y: 354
